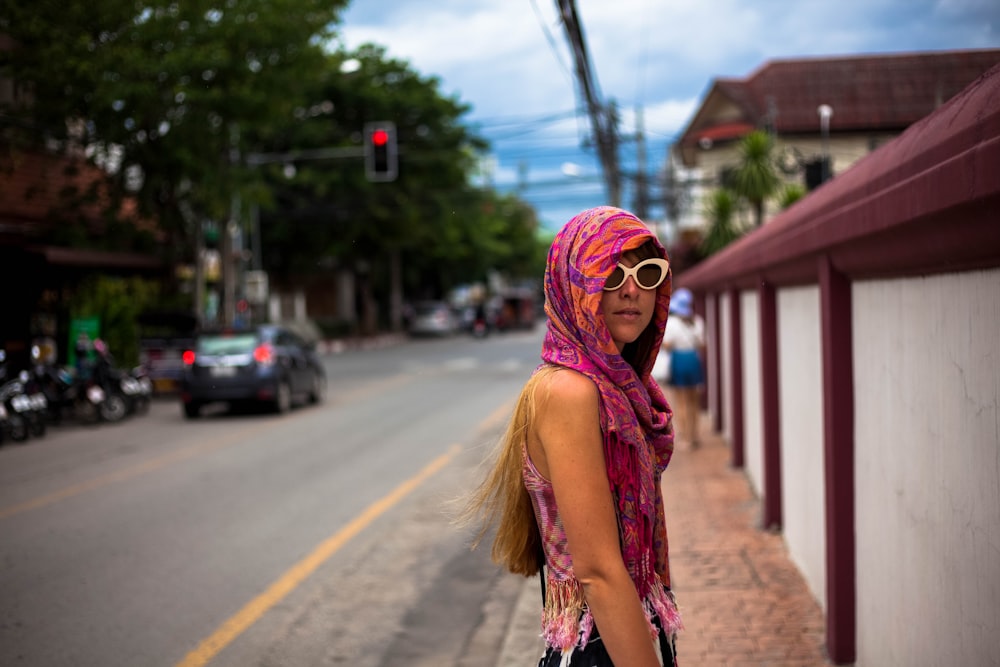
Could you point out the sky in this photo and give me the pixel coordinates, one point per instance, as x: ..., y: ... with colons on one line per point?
x: 656, y: 59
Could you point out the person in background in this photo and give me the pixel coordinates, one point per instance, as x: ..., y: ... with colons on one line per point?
x: 684, y: 342
x: 575, y: 488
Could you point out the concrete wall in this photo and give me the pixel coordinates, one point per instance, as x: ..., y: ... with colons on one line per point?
x: 711, y: 363
x: 927, y: 469
x: 753, y: 436
x: 725, y: 333
x: 801, y: 398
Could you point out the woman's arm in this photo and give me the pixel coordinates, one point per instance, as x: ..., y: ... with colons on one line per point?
x: 567, y: 425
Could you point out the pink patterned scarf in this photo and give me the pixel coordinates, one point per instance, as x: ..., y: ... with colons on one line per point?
x: 635, y: 417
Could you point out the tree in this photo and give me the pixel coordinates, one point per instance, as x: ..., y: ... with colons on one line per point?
x: 756, y: 178
x: 158, y: 92
x: 791, y: 194
x: 173, y: 98
x: 722, y: 229
x: 441, y: 229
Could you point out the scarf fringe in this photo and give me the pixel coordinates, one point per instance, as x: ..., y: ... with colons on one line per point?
x: 567, y: 622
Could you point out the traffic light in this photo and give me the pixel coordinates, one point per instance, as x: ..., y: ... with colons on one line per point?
x: 381, y: 159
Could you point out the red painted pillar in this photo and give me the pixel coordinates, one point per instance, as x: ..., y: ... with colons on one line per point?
x: 770, y: 410
x: 736, y: 376
x: 838, y: 459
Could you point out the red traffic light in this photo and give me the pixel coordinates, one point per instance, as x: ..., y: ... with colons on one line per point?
x: 381, y: 165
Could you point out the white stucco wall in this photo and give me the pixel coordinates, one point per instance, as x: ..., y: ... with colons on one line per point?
x: 711, y: 363
x: 800, y: 383
x: 753, y: 439
x: 927, y: 469
x: 727, y: 367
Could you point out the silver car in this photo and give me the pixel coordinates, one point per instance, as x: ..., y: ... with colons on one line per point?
x: 433, y: 318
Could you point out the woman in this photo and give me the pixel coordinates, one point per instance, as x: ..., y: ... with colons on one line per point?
x: 684, y: 341
x: 576, y: 486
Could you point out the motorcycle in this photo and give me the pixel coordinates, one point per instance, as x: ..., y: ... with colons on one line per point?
x: 136, y: 388
x: 115, y: 404
x: 17, y: 410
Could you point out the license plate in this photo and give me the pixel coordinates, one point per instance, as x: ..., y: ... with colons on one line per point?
x: 222, y: 371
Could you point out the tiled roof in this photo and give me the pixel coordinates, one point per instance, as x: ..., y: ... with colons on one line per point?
x: 876, y: 92
x: 38, y: 188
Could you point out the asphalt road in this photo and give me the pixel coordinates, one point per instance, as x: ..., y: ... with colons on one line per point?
x: 320, y: 537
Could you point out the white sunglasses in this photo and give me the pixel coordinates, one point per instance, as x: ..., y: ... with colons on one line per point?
x: 647, y: 274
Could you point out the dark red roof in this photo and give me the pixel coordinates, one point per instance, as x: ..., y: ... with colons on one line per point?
x: 866, y: 92
x: 874, y: 92
x: 38, y: 188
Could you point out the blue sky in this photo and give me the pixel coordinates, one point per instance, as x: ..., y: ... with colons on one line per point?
x: 509, y: 60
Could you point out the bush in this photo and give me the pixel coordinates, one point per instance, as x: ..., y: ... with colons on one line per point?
x: 117, y: 302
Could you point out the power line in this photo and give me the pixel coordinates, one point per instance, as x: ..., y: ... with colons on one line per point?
x: 552, y: 42
x: 603, y: 118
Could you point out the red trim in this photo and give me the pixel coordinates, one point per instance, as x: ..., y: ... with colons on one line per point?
x: 59, y: 256
x: 838, y: 457
x: 770, y: 406
x: 724, y: 132
x: 736, y: 376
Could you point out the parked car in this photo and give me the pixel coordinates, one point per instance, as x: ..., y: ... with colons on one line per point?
x: 267, y: 365
x: 433, y: 318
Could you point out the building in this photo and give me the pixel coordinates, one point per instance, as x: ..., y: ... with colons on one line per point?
x: 839, y: 108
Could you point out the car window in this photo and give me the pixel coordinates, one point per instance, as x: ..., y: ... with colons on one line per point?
x: 285, y: 339
x: 226, y: 343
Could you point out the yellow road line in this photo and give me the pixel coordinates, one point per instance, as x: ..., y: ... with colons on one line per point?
x: 249, y: 614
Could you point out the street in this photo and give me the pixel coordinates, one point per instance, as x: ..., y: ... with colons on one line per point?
x: 321, y: 537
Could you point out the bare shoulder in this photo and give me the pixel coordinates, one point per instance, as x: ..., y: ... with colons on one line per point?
x: 565, y: 389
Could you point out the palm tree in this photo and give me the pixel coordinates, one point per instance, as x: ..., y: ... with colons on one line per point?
x: 720, y: 209
x: 756, y: 178
x: 791, y: 194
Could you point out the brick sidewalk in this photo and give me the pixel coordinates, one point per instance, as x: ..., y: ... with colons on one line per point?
x: 742, y: 600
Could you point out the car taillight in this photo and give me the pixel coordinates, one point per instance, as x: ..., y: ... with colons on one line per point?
x: 264, y: 355
x: 188, y: 357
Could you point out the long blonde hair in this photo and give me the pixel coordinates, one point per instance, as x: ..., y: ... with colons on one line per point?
x: 501, y: 499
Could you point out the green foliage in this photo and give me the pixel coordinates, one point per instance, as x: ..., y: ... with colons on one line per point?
x: 328, y: 215
x: 791, y: 194
x: 756, y: 178
x: 181, y: 94
x: 118, y: 303
x: 162, y: 87
x: 720, y: 209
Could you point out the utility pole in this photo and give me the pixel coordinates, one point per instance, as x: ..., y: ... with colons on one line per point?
x: 641, y: 179
x: 603, y: 119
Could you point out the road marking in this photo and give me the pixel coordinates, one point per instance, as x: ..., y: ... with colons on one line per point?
x: 249, y: 614
x: 134, y: 471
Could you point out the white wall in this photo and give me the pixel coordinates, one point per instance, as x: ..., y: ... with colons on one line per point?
x: 927, y: 469
x: 753, y: 437
x: 711, y: 363
x: 800, y: 382
x: 725, y: 333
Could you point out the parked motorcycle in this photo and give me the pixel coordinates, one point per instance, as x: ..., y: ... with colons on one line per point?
x: 108, y: 378
x: 18, y: 419
x: 135, y: 388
